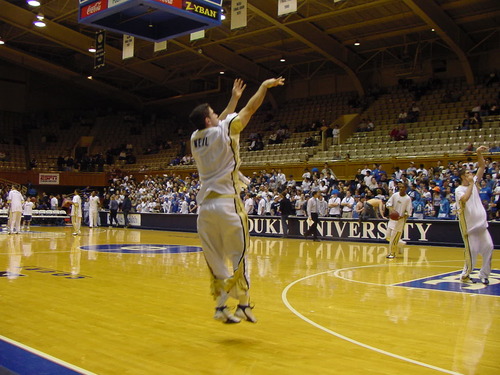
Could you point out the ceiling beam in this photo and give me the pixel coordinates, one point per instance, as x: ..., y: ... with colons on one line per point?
x: 316, y: 40
x: 22, y: 59
x: 458, y: 41
x: 219, y: 54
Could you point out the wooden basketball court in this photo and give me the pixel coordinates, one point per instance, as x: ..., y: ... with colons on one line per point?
x: 129, y: 301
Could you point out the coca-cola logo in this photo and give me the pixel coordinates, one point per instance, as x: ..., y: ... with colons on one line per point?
x: 93, y: 8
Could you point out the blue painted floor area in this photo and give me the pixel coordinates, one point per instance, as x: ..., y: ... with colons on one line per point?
x: 16, y: 360
x: 451, y: 282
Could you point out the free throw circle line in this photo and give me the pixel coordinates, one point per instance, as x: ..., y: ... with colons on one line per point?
x: 352, y: 341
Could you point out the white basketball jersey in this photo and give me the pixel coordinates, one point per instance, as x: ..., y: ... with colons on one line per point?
x: 216, y: 152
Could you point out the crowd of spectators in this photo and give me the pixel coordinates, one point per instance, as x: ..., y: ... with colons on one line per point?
x: 430, y: 188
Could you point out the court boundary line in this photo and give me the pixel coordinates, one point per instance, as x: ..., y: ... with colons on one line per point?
x: 378, y: 265
x: 345, y: 338
x: 47, y: 356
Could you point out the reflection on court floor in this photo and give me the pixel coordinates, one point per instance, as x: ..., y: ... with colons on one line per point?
x: 81, y: 302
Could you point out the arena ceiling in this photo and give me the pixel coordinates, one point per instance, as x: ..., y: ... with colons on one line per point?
x: 319, y: 39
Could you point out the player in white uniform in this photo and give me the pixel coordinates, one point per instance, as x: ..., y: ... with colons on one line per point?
x: 76, y: 212
x: 94, y: 204
x: 399, y: 202
x: 473, y: 222
x: 222, y: 220
x: 27, y: 214
x: 15, y: 201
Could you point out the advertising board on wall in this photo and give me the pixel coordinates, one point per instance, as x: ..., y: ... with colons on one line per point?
x: 416, y: 232
x: 48, y: 178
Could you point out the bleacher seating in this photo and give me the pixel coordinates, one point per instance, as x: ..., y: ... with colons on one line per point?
x: 435, y: 133
x: 11, y: 145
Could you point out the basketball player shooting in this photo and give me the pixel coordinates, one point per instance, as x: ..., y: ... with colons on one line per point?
x: 474, y: 222
x: 222, y: 220
x: 400, y: 208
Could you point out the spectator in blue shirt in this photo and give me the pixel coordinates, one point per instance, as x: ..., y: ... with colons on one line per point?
x: 444, y: 209
x: 413, y: 193
x: 418, y: 208
x: 485, y: 193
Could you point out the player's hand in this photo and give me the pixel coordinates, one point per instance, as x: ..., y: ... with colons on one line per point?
x: 238, y: 87
x: 482, y: 149
x: 273, y: 82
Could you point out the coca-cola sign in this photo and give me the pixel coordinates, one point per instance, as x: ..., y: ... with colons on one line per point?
x: 91, y: 9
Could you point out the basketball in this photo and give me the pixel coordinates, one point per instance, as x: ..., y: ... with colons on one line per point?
x: 33, y: 199
x: 394, y: 215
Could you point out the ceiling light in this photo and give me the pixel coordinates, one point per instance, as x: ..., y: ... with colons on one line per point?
x: 222, y: 72
x: 433, y: 29
x: 357, y: 43
x: 92, y: 50
x: 39, y: 21
x: 282, y: 59
x: 2, y: 41
x: 90, y: 77
x: 33, y: 3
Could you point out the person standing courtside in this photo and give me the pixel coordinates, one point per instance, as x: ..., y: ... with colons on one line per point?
x: 15, y: 201
x: 93, y: 210
x: 113, y: 210
x: 473, y: 222
x: 313, y: 215
x: 27, y: 214
x: 347, y: 204
x: 76, y: 212
x: 126, y: 207
x: 399, y: 202
x: 334, y: 204
x: 286, y: 209
x: 54, y: 203
x: 222, y: 220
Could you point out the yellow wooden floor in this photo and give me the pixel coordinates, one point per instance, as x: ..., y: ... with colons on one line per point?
x: 323, y: 308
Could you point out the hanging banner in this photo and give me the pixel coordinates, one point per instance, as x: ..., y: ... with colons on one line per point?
x: 160, y: 46
x: 286, y: 7
x: 197, y: 35
x: 100, y: 41
x: 128, y: 47
x: 238, y: 14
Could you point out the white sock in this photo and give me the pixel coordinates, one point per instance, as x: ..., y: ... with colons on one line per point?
x: 221, y: 299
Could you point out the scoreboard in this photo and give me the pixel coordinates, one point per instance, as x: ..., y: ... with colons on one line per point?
x: 154, y: 20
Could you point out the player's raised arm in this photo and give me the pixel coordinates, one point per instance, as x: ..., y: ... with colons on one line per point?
x: 257, y: 99
x: 481, y: 164
x: 238, y: 88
